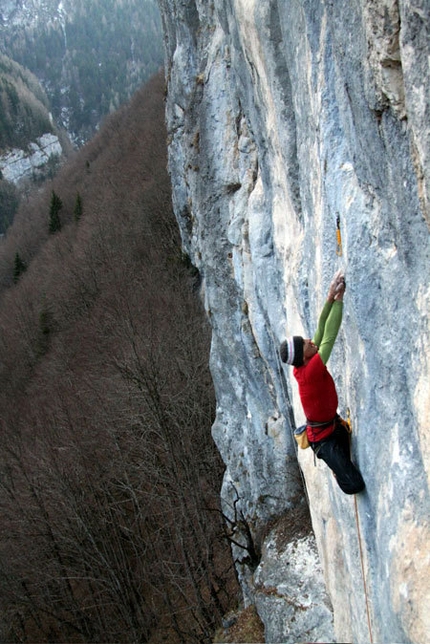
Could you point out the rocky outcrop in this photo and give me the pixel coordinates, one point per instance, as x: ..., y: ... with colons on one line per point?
x: 282, y: 118
x: 29, y: 13
x: 18, y: 165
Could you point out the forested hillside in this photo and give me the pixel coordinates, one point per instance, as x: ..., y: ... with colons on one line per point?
x: 24, y: 117
x: 89, y: 56
x: 109, y: 508
x: 24, y: 113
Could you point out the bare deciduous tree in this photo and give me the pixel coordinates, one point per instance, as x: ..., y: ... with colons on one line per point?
x: 108, y: 475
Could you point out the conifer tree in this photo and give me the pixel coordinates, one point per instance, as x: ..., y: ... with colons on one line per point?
x: 19, y: 267
x: 77, y: 213
x: 54, y: 217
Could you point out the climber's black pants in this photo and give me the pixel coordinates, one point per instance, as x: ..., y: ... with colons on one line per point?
x: 334, y: 450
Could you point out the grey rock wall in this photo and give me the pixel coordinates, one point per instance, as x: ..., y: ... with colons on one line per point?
x: 17, y: 165
x: 282, y: 116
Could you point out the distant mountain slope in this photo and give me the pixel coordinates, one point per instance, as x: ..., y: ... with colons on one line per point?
x: 24, y: 113
x: 31, y: 145
x: 89, y: 56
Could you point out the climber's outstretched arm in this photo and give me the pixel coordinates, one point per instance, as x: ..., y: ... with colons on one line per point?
x: 319, y: 333
x: 330, y: 318
x: 331, y: 329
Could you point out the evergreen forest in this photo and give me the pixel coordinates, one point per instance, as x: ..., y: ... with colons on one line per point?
x: 24, y: 107
x: 111, y: 529
x: 90, y: 56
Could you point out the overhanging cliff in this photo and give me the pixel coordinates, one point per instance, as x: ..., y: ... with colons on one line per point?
x: 283, y: 116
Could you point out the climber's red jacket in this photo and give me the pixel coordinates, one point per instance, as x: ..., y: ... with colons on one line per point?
x: 318, y: 395
x: 316, y: 386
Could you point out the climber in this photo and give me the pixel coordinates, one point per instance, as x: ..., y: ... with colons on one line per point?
x: 328, y: 437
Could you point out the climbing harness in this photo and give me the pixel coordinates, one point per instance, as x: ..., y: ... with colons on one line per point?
x: 336, y: 420
x: 339, y: 251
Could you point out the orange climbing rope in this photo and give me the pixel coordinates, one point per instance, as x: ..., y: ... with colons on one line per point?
x: 360, y: 545
x: 348, y: 427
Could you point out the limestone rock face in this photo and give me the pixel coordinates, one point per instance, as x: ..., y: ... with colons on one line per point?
x: 17, y: 165
x: 284, y: 118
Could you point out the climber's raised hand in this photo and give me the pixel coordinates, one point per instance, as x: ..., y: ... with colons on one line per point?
x: 340, y: 290
x: 337, y: 287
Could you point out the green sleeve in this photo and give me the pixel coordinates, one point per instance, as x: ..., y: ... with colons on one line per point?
x: 319, y: 333
x: 328, y: 327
